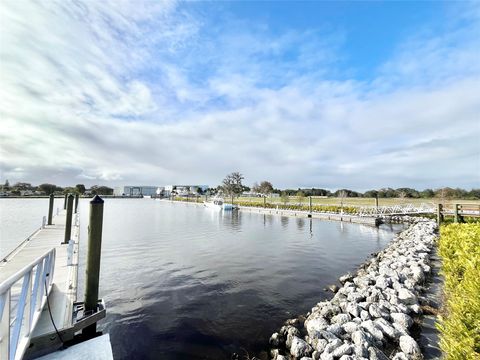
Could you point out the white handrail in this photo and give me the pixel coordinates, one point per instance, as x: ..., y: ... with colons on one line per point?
x: 15, y: 334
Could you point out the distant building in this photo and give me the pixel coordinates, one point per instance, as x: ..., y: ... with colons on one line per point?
x: 184, y: 190
x: 135, y: 190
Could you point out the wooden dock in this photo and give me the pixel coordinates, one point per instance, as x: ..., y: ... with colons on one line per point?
x: 61, y: 317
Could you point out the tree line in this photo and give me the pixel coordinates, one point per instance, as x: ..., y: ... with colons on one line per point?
x: 232, y: 185
x: 47, y: 189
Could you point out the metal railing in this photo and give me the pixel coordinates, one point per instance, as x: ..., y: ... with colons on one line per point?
x: 398, y: 209
x: 15, y: 332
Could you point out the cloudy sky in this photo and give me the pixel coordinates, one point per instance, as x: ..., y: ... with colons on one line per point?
x: 324, y: 94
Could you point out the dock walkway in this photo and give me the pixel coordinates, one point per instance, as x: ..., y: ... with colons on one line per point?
x: 33, y: 324
x: 63, y: 292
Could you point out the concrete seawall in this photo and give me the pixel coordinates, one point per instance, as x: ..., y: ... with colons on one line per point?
x: 365, y: 220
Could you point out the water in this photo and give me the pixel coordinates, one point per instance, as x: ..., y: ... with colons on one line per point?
x: 184, y: 282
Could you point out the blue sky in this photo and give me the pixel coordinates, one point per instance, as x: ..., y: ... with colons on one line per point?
x: 326, y: 94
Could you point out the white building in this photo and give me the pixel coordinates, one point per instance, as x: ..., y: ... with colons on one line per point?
x: 135, y: 190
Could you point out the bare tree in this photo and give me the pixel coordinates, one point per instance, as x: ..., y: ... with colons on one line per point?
x: 266, y: 187
x: 232, y: 184
x: 300, y: 197
x: 342, y: 195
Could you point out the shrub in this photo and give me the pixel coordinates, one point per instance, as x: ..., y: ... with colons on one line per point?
x: 460, y: 323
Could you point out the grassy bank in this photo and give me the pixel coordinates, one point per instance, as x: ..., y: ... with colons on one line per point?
x: 460, y: 323
x: 316, y: 200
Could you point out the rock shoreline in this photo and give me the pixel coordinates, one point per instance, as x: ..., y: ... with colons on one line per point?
x: 372, y: 315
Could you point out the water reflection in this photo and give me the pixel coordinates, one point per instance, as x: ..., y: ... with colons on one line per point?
x: 300, y: 223
x: 188, y: 282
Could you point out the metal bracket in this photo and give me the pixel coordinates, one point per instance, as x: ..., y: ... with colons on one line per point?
x: 81, y: 318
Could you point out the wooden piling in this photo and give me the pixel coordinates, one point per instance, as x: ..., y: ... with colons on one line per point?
x: 310, y: 204
x: 93, y: 260
x: 68, y: 219
x: 376, y: 203
x: 458, y: 217
x: 65, y: 202
x: 77, y: 196
x: 439, y: 214
x: 264, y: 201
x: 50, y: 209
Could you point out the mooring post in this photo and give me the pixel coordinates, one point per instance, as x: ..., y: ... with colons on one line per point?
x: 439, y: 214
x: 458, y: 216
x: 65, y: 202
x: 455, y: 213
x: 264, y: 201
x: 376, y: 203
x: 50, y: 209
x: 68, y: 220
x: 93, y: 260
x: 77, y: 196
x: 310, y: 204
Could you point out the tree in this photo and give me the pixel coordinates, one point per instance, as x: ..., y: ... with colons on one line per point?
x: 284, y: 197
x: 47, y: 188
x: 342, y: 194
x: 371, y: 194
x: 256, y: 187
x: 80, y: 188
x: 232, y: 184
x: 104, y: 190
x: 300, y: 196
x: 427, y: 194
x: 265, y: 187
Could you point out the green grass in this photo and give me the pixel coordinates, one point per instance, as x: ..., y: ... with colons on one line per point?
x: 459, y: 325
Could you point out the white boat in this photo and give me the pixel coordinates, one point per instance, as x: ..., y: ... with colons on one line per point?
x: 218, y: 203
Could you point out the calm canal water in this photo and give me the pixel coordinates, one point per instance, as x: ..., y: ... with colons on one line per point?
x: 185, y: 282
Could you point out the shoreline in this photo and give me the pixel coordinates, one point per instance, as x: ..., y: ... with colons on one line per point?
x: 365, y: 220
x: 376, y: 314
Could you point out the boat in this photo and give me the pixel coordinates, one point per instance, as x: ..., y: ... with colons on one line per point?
x: 218, y: 203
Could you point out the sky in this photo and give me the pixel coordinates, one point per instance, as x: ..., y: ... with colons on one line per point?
x: 357, y: 95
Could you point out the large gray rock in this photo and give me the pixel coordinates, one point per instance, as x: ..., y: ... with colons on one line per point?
x: 361, y: 351
x: 315, y: 325
x: 376, y: 354
x: 276, y: 340
x: 333, y: 345
x: 335, y: 329
x: 291, y: 333
x: 370, y: 326
x: 383, y: 282
x: 407, y: 297
x: 410, y: 347
x: 319, y: 345
x: 300, y: 348
x: 387, y: 329
x: 400, y: 356
x: 402, y: 319
x: 341, y: 319
x: 345, y: 349
x: 344, y: 278
x: 350, y: 327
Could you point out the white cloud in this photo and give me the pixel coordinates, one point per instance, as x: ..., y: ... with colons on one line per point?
x: 105, y: 92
